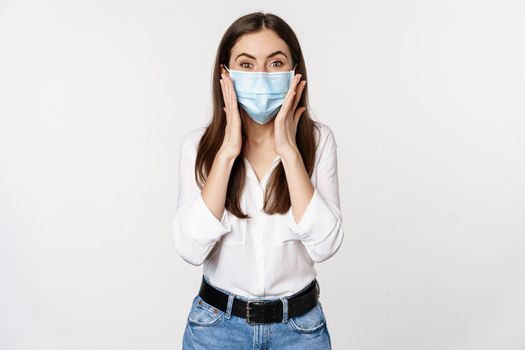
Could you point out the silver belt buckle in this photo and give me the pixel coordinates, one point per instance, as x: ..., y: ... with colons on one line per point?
x: 249, y: 314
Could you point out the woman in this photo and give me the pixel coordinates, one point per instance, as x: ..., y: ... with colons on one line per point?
x: 258, y: 198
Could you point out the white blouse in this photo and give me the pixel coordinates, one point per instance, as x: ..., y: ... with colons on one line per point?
x: 266, y: 255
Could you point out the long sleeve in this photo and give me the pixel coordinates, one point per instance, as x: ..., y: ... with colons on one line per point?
x: 320, y: 228
x: 195, y: 229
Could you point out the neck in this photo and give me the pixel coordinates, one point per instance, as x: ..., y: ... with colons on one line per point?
x: 258, y: 137
x: 257, y: 134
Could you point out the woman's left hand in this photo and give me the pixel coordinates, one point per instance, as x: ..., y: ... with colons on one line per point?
x: 285, y: 124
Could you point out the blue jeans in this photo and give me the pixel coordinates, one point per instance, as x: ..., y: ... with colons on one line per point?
x: 210, y: 328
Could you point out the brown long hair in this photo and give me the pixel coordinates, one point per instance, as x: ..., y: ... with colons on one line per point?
x: 277, y: 196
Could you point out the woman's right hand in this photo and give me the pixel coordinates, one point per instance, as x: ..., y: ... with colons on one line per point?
x: 232, y: 142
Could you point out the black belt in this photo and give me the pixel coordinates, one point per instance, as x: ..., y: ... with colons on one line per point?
x: 262, y: 311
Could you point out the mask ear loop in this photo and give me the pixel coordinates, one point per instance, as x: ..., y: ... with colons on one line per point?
x: 229, y: 73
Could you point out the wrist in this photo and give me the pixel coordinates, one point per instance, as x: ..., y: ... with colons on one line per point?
x: 225, y: 157
x: 291, y: 157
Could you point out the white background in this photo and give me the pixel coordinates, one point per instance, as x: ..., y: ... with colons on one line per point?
x: 426, y: 100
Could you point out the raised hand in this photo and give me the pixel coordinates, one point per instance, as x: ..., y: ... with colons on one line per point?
x: 232, y: 142
x: 285, y: 125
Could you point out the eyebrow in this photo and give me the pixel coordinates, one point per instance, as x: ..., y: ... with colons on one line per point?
x: 270, y: 55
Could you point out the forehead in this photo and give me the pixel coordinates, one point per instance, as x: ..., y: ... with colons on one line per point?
x: 259, y: 44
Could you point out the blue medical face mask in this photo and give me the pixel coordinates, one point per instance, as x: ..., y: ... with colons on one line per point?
x: 261, y: 94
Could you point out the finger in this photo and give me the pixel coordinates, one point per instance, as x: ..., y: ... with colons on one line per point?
x: 287, y: 103
x: 233, y: 95
x: 224, y: 97
x: 231, y: 90
x: 285, y: 107
x: 293, y: 85
x: 298, y: 113
x: 300, y: 90
x: 226, y: 92
x: 296, y: 81
x: 221, y: 81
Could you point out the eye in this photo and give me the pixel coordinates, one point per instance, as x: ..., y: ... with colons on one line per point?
x: 280, y: 63
x: 245, y: 63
